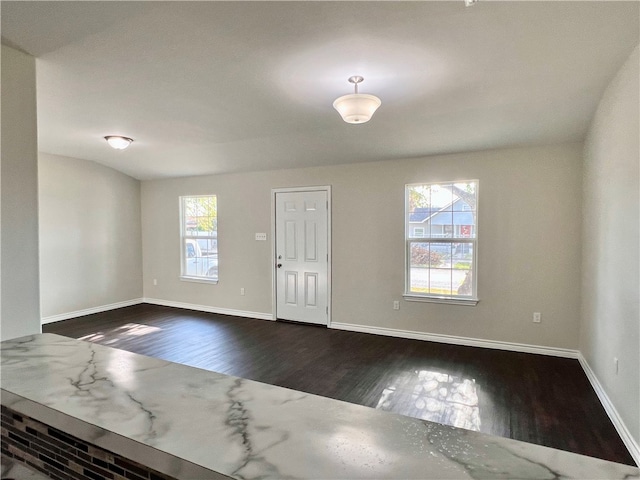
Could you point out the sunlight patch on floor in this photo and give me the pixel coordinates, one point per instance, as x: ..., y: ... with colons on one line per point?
x: 437, y: 397
x: 127, y: 330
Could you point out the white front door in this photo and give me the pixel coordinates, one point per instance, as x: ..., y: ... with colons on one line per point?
x: 302, y: 256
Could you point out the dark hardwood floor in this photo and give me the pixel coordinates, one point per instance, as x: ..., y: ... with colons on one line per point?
x: 533, y: 398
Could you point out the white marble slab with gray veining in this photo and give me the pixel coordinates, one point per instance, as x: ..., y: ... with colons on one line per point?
x: 193, y: 423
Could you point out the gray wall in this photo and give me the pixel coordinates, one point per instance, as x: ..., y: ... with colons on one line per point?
x: 611, y: 286
x: 90, y: 239
x: 20, y: 304
x: 529, y: 245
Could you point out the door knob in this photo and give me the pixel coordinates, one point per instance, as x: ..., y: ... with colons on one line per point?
x: 279, y: 265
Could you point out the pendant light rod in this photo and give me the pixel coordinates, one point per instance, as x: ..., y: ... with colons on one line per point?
x: 356, y: 79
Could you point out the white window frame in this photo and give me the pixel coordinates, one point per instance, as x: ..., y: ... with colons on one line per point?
x: 471, y: 300
x: 184, y: 236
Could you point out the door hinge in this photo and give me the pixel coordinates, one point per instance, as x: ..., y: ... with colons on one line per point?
x: 326, y: 310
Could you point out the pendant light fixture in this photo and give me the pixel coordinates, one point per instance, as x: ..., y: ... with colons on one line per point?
x: 356, y: 107
x: 118, y: 142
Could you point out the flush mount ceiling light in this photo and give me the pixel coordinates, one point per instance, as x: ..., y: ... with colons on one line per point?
x: 356, y: 107
x: 118, y: 142
x: 468, y: 3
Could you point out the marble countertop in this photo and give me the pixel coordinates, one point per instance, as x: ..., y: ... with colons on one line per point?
x: 193, y: 423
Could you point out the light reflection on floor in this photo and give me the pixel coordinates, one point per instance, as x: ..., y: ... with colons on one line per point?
x: 128, y: 330
x: 435, y: 396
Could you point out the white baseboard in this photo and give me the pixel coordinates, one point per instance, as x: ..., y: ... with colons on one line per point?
x: 89, y: 311
x: 631, y: 444
x: 470, y: 342
x: 209, y: 309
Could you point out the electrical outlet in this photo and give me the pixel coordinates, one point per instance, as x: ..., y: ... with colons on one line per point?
x: 155, y: 281
x: 615, y: 364
x: 242, y: 291
x: 537, y: 317
x: 261, y: 237
x: 396, y: 305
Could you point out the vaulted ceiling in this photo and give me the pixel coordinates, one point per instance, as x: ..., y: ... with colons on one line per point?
x: 213, y: 87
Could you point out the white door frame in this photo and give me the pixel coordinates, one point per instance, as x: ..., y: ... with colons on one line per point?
x: 274, y: 280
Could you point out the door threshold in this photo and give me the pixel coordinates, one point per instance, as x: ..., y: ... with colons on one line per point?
x: 296, y: 322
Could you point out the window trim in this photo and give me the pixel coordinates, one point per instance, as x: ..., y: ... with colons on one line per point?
x: 433, y: 298
x: 415, y: 297
x: 183, y: 237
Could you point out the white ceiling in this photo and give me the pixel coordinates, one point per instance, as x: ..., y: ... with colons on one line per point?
x: 213, y: 87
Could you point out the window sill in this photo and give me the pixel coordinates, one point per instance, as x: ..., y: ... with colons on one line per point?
x: 469, y: 302
x: 199, y: 280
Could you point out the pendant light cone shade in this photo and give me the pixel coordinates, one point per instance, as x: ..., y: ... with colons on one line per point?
x: 356, y: 107
x: 118, y: 142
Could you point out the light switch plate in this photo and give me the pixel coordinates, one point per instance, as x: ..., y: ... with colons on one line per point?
x: 261, y: 237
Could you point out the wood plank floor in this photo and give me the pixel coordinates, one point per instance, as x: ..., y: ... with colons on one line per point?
x: 533, y: 398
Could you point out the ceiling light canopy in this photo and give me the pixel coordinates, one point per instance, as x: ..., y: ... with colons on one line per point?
x: 118, y: 142
x: 356, y: 107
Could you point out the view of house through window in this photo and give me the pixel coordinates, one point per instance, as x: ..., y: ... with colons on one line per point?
x: 199, y: 230
x: 441, y: 236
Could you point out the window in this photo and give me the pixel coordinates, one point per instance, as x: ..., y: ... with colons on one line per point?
x: 441, y: 239
x: 418, y: 232
x: 199, y: 238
